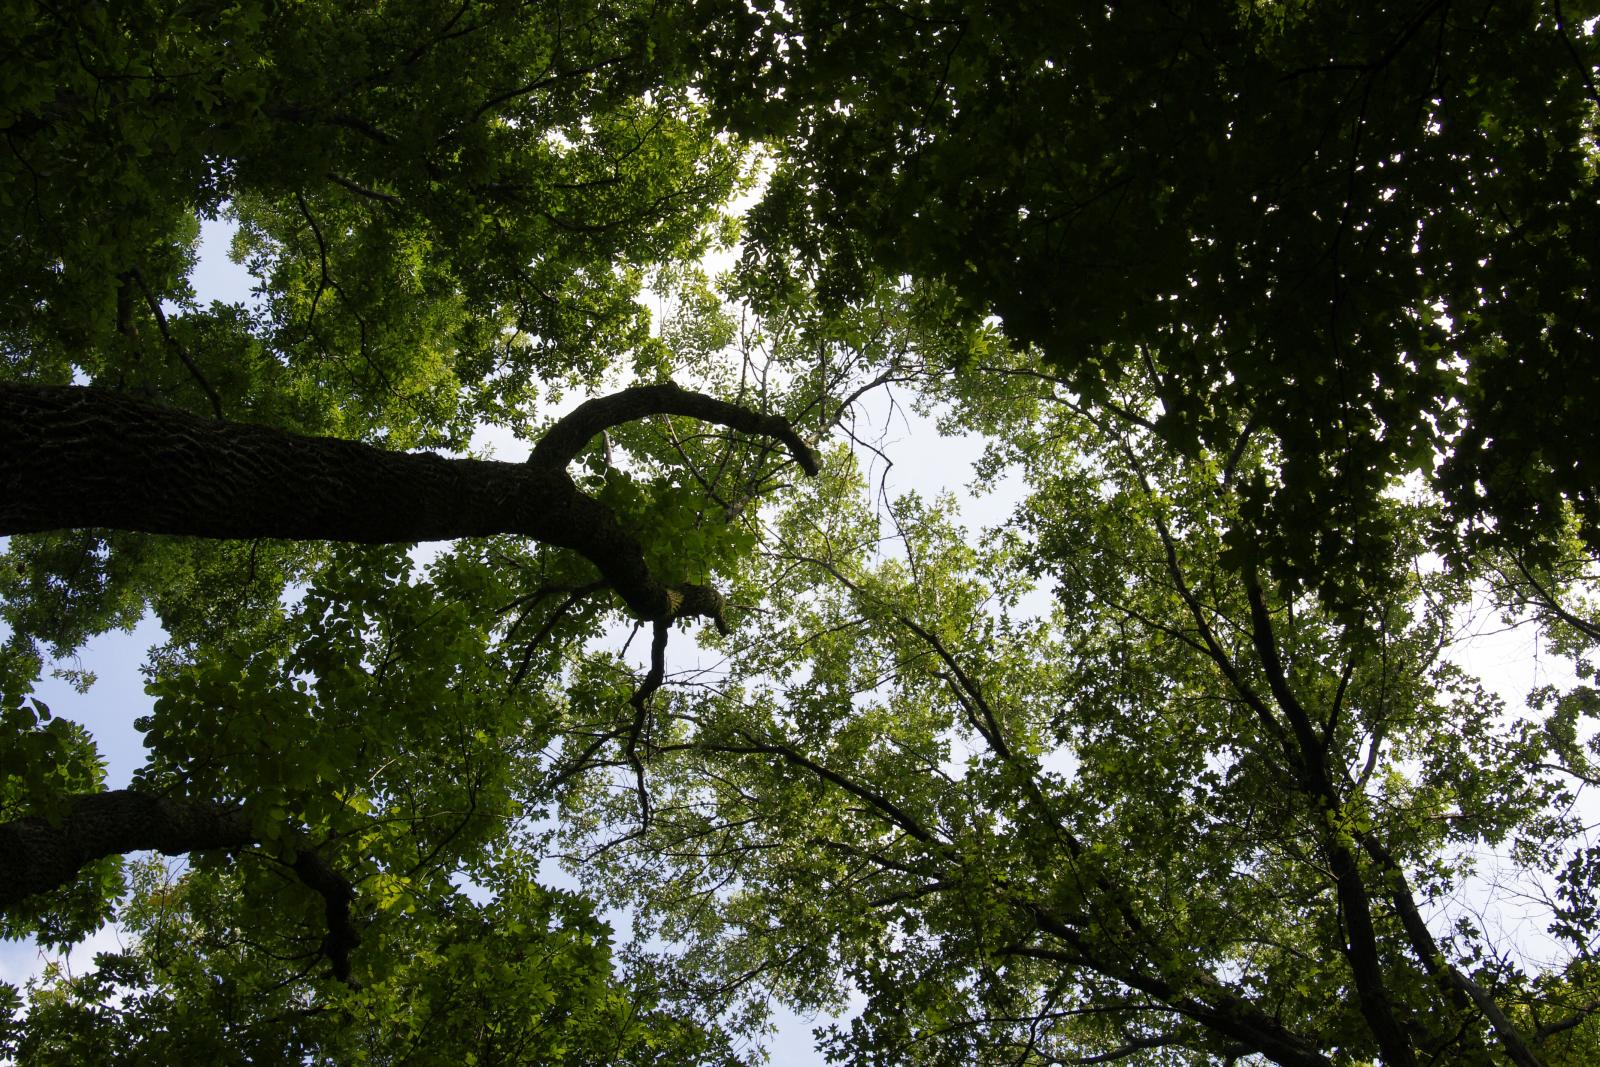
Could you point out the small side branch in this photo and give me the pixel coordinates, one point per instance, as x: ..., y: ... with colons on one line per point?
x: 363, y: 191
x: 640, y: 702
x: 172, y: 343
x: 574, y: 596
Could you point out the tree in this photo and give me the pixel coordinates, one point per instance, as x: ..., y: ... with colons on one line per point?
x: 1199, y: 812
x: 1182, y: 816
x: 453, y: 214
x: 1365, y: 230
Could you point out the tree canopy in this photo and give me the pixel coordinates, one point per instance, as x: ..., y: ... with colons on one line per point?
x: 1366, y: 229
x: 1281, y: 315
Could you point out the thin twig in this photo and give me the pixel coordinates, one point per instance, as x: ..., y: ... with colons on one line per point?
x: 172, y: 343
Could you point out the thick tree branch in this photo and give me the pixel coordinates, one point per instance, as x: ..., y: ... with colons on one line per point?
x: 1213, y: 647
x: 75, y: 457
x: 43, y: 855
x: 1265, y: 641
x: 1208, y: 1002
x: 337, y: 895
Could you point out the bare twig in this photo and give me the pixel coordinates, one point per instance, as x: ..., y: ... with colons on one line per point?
x: 173, y: 344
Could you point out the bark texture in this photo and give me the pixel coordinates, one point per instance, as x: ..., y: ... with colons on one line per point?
x: 43, y: 855
x: 80, y: 457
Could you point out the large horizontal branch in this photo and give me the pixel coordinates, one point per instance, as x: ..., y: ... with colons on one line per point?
x: 76, y: 457
x: 42, y: 855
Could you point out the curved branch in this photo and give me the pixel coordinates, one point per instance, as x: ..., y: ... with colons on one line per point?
x: 43, y: 854
x: 73, y: 457
x: 1550, y: 602
x: 885, y: 807
x: 641, y: 712
x: 562, y: 442
x: 337, y: 895
x: 363, y: 191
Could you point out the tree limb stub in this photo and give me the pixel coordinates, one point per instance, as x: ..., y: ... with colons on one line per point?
x: 44, y: 855
x: 81, y: 457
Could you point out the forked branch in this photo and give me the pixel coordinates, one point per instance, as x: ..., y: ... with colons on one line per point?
x: 73, y: 457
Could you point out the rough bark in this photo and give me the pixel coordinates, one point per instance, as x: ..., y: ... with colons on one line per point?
x: 76, y: 457
x: 43, y: 854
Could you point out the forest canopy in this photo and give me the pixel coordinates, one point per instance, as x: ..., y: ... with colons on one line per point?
x: 1282, y: 317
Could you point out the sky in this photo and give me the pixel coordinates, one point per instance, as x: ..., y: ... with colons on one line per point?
x: 1510, y: 661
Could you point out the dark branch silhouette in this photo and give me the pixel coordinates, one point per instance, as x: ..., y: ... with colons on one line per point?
x: 75, y: 457
x: 44, y: 854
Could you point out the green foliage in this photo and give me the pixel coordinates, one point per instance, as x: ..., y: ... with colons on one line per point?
x: 1021, y: 826
x: 45, y: 759
x: 1282, y: 314
x: 1364, y: 229
x: 450, y: 214
x: 526, y: 979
